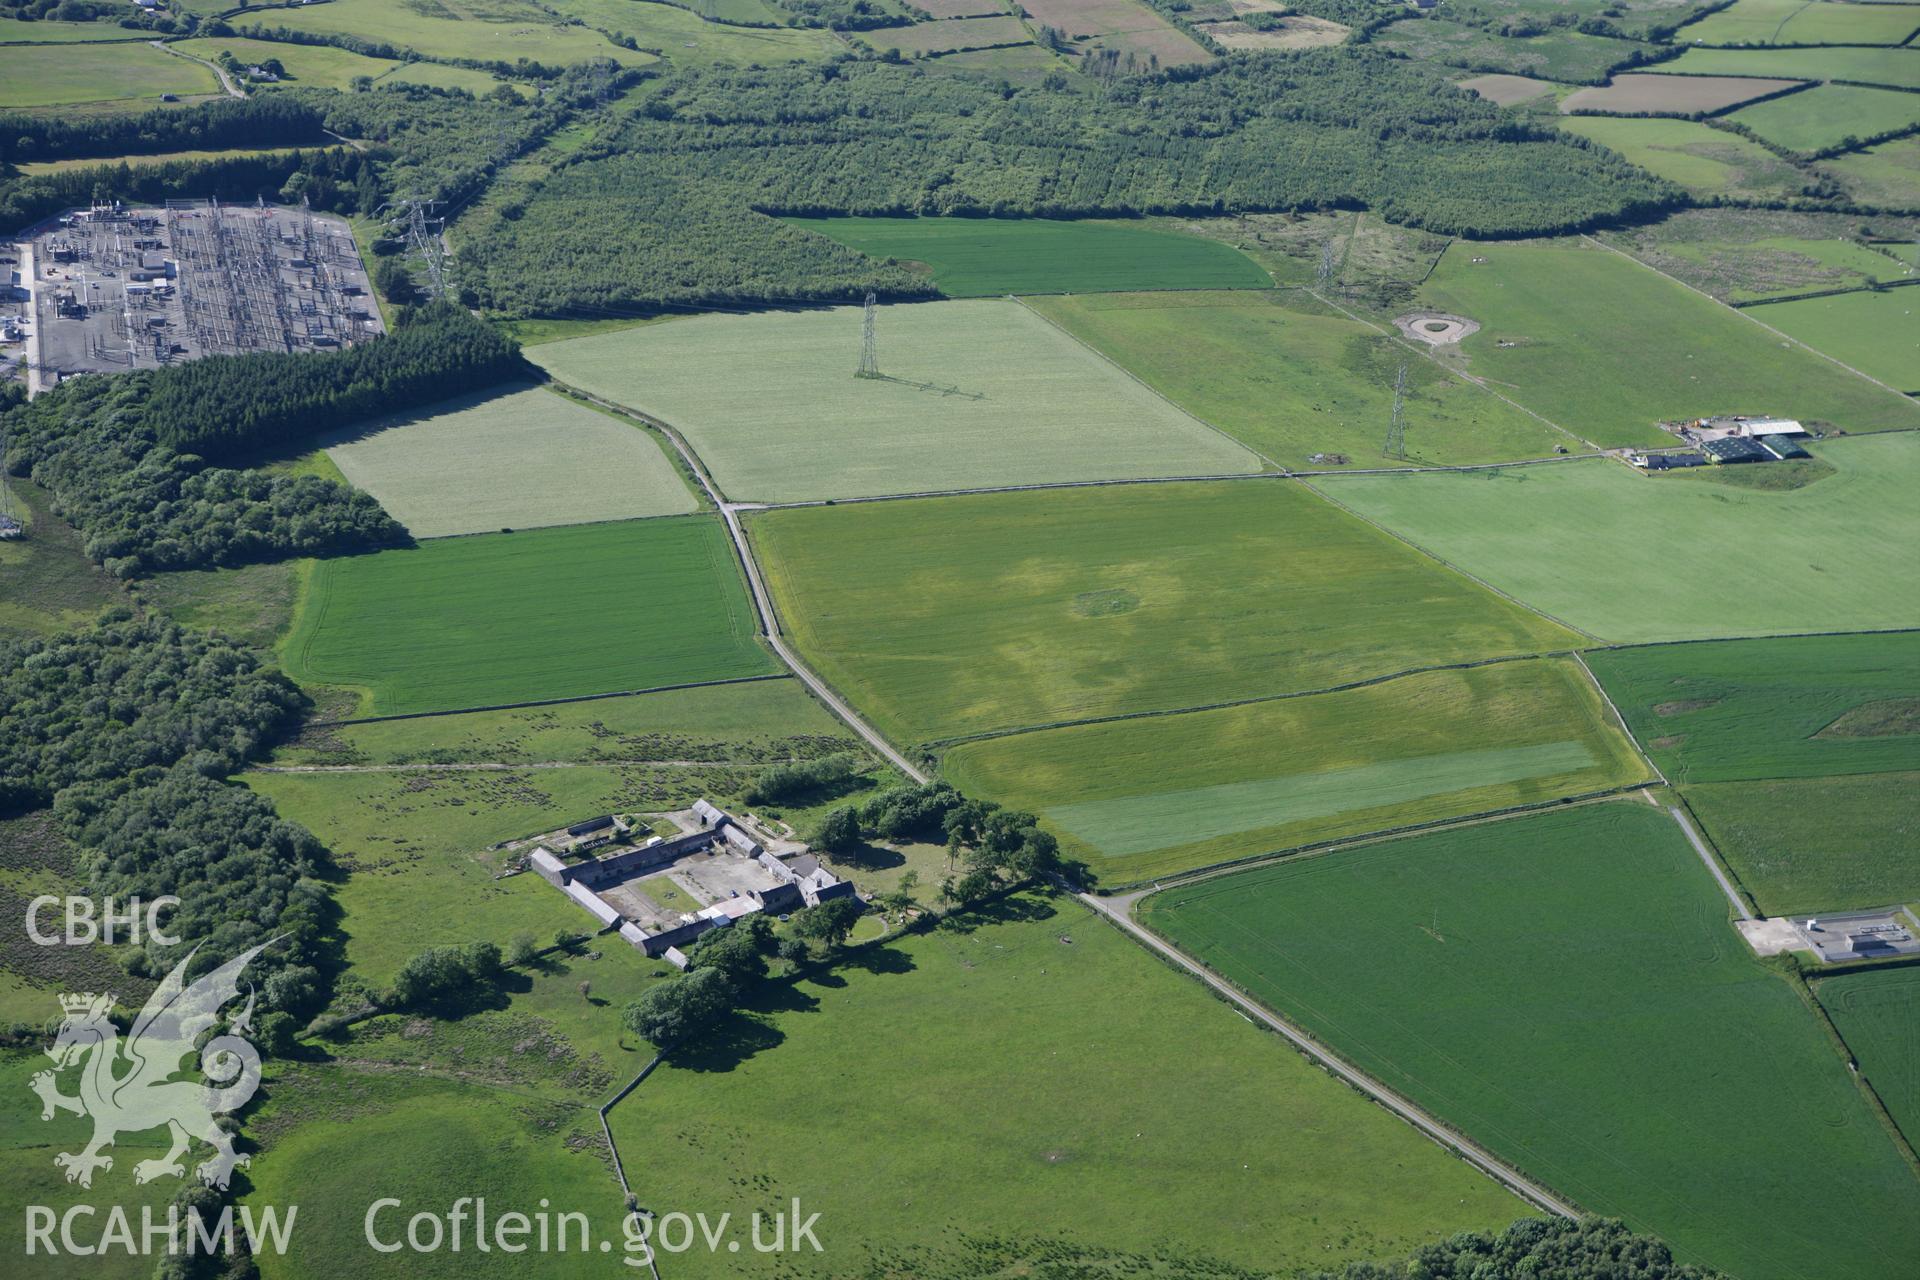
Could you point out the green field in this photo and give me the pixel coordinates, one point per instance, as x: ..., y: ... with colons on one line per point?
x: 1566, y: 989
x: 1798, y: 22
x: 954, y: 616
x: 1637, y: 350
x: 1564, y: 55
x: 19, y: 31
x: 1083, y: 1129
x: 549, y: 613
x: 924, y: 39
x: 1633, y: 558
x: 1830, y: 115
x: 1800, y: 845
x: 976, y: 393
x: 1888, y: 174
x: 1895, y: 68
x: 37, y: 77
x: 1786, y: 708
x: 1879, y: 1015
x: 319, y: 65
x: 47, y: 583
x: 1875, y: 332
x: 980, y: 257
x: 1143, y: 798
x: 483, y: 30
x: 1702, y: 159
x: 1749, y: 255
x: 683, y: 37
x: 513, y: 457
x: 1292, y: 377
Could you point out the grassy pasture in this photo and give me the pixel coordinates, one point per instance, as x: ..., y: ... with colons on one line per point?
x: 1558, y: 55
x: 683, y: 37
x: 321, y: 66
x: 1895, y: 68
x: 47, y: 584
x: 515, y: 457
x: 21, y: 31
x: 977, y: 393
x: 38, y: 77
x: 1633, y: 94
x: 951, y: 616
x: 497, y: 31
x: 548, y: 613
x: 1828, y: 115
x: 1637, y: 350
x: 984, y: 257
x: 1795, y: 707
x: 1084, y: 1127
x: 1704, y: 160
x: 340, y: 1138
x: 1762, y: 22
x: 1143, y: 798
x: 1800, y: 845
x: 1293, y: 378
x: 1877, y: 333
x: 1022, y: 64
x: 1877, y: 1014
x: 1566, y: 989
x: 1888, y: 174
x: 1592, y: 543
x: 33, y: 167
x: 950, y: 36
x: 1636, y: 17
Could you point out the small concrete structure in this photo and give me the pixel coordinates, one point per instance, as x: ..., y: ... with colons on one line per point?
x: 1852, y: 936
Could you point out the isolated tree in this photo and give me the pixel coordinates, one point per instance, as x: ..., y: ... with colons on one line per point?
x: 828, y: 923
x: 522, y: 949
x: 668, y: 1015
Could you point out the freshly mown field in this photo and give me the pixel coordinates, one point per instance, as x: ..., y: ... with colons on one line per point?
x: 1558, y: 55
x: 1143, y: 798
x: 1888, y: 174
x: 1877, y: 332
x: 340, y: 1137
x: 1830, y: 115
x: 1566, y: 989
x: 513, y: 457
x: 955, y: 616
x: 1877, y: 1014
x: 1293, y: 378
x: 981, y: 257
x: 1895, y: 68
x: 40, y: 77
x: 1632, y: 94
x: 1802, y: 845
x: 1797, y: 22
x: 488, y: 31
x: 1508, y: 91
x: 1084, y: 1129
x: 974, y: 394
x: 1702, y: 159
x: 1633, y: 558
x: 1787, y: 708
x: 1609, y: 348
x: 549, y: 613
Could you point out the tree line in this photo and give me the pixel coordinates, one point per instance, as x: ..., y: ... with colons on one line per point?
x: 1537, y: 1249
x: 669, y: 208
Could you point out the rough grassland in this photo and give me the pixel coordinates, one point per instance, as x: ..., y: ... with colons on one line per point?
x: 523, y: 31
x: 1895, y: 68
x: 551, y: 613
x: 1879, y: 1016
x: 1829, y: 114
x: 1084, y: 1125
x: 1637, y: 350
x: 1877, y: 333
x: 1633, y: 558
x: 1566, y: 988
x: 925, y: 38
x: 1742, y: 255
x: 1293, y: 378
x: 47, y: 584
x: 954, y: 616
x: 1817, y: 844
x: 685, y: 38
x: 1144, y: 798
x: 977, y: 393
x: 511, y: 457
x: 33, y: 76
x: 980, y: 257
x: 1786, y: 708
x: 1797, y: 22
x: 1556, y: 55
x: 1704, y: 160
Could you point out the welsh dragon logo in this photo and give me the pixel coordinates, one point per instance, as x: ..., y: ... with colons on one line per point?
x: 126, y: 1087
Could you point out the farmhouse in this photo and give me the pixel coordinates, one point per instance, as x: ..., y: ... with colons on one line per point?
x: 736, y: 873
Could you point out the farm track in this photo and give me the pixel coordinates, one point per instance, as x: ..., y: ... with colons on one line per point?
x: 1119, y: 913
x: 226, y: 81
x: 502, y: 766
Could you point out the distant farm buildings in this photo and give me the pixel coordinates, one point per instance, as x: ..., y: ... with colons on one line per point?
x: 1727, y: 439
x: 778, y: 886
